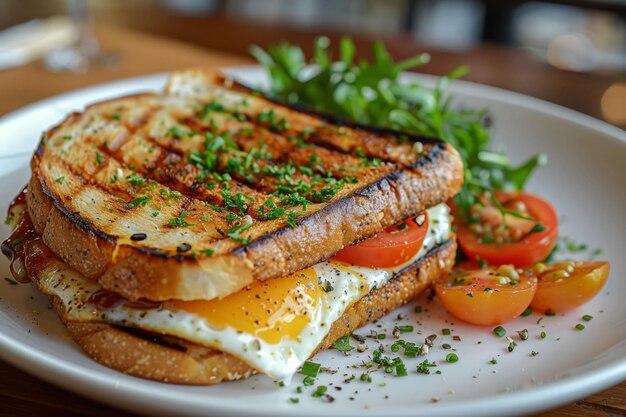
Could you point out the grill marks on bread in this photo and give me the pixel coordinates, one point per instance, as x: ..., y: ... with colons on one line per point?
x: 225, y: 173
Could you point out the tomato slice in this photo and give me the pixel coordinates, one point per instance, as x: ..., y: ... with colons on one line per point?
x: 569, y: 284
x: 533, y: 236
x: 395, y: 246
x: 486, y: 296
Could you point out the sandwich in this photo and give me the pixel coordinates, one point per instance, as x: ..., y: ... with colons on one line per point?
x: 191, y: 236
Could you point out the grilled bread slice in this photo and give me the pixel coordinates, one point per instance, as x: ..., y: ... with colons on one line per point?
x: 169, y: 359
x: 195, y: 193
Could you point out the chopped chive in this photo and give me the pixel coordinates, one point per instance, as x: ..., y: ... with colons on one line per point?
x: 445, y: 332
x: 418, y: 309
x: 98, y: 158
x: 405, y: 329
x: 365, y: 377
x: 308, y: 381
x: 10, y: 281
x: 60, y: 180
x: 401, y: 370
x: 310, y: 368
x: 512, y: 346
x: 319, y: 391
x: 580, y: 326
x: 587, y: 317
x: 527, y: 312
x: 550, y: 313
x: 499, y: 331
x: 452, y: 358
x: 381, y: 336
x: 542, y: 335
x: 493, y: 361
x: 294, y: 400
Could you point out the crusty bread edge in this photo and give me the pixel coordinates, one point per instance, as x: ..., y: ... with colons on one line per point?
x: 198, y: 365
x: 146, y: 276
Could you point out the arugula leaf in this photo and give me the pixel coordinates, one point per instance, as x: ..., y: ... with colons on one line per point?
x: 372, y: 93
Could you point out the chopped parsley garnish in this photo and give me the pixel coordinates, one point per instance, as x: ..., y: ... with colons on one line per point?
x: 60, y: 179
x: 211, y: 107
x: 135, y: 179
x: 235, y: 232
x: 542, y: 335
x: 308, y: 381
x: 445, y: 332
x: 67, y: 137
x: 207, y: 252
x: 179, y: 133
x: 180, y: 220
x: 139, y: 201
x: 343, y: 344
x: 8, y: 219
x: 98, y: 158
x: 580, y: 326
x: 418, y: 309
x: 269, y: 117
x: 294, y: 400
x: 113, y: 179
x: 587, y: 317
x: 116, y: 116
x: 424, y: 367
x: 527, y: 312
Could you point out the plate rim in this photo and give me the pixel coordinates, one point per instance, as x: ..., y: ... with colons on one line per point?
x: 550, y: 394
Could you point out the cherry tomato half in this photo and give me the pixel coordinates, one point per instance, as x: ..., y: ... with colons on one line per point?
x: 395, y: 246
x: 486, y: 296
x: 569, y: 284
x: 531, y: 246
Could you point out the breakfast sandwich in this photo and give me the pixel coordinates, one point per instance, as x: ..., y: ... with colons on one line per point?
x: 210, y: 232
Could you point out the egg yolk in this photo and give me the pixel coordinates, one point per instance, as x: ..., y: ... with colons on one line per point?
x: 269, y: 310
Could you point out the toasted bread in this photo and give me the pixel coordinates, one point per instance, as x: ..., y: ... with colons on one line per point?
x: 128, y: 194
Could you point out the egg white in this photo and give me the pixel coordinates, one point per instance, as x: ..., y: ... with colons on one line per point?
x: 279, y: 360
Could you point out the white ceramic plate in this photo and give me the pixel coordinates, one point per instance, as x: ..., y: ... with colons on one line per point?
x: 585, y: 179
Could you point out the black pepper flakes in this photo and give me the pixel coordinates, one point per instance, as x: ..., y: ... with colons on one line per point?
x: 136, y: 237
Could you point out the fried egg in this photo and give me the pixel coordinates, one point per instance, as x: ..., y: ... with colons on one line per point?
x: 273, y: 325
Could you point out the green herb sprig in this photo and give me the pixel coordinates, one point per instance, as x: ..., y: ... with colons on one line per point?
x: 372, y: 93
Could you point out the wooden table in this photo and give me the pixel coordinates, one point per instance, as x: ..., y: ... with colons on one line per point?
x: 25, y: 395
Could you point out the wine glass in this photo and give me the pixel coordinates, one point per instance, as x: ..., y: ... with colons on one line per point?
x: 85, y: 53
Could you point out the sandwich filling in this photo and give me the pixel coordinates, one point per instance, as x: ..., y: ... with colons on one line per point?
x: 274, y: 325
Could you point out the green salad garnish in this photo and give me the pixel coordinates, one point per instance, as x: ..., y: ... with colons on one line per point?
x: 373, y: 93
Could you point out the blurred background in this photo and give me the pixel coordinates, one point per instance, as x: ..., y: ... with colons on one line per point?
x: 571, y: 52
